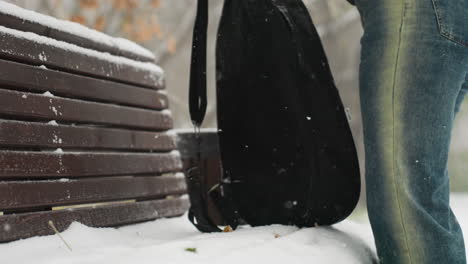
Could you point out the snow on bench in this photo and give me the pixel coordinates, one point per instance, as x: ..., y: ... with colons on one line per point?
x: 21, y: 19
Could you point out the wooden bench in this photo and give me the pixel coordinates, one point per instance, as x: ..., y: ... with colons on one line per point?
x: 84, y: 134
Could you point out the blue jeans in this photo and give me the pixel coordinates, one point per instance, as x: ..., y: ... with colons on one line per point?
x: 413, y: 77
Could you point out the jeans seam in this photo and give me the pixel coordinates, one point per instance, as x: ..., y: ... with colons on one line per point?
x: 403, y: 13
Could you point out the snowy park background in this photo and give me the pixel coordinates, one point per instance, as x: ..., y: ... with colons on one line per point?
x: 164, y: 27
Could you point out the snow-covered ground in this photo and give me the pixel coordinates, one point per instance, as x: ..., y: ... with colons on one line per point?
x: 176, y: 241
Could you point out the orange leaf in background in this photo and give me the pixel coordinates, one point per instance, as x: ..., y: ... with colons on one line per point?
x: 119, y: 4
x: 156, y: 3
x: 127, y: 25
x: 100, y: 23
x: 127, y: 28
x: 78, y: 19
x: 89, y: 4
x: 171, y: 45
x: 143, y: 30
x: 157, y: 30
x: 132, y: 3
x: 124, y: 4
x: 140, y: 21
x: 143, y: 34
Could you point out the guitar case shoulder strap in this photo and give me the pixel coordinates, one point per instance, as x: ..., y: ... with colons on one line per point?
x: 197, y: 188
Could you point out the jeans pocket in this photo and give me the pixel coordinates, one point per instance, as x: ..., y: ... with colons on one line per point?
x: 452, y: 19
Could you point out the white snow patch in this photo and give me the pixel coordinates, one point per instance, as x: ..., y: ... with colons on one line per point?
x: 43, y: 67
x: 41, y: 55
x: 74, y: 29
x: 58, y: 151
x: 156, y: 73
x: 56, y: 139
x: 6, y: 227
x: 179, y: 175
x: 24, y: 96
x: 162, y: 103
x: 52, y: 123
x: 166, y: 112
x: 54, y: 110
x: 175, y: 153
x: 166, y: 241
x: 172, y: 132
x: 348, y: 114
x: 48, y: 94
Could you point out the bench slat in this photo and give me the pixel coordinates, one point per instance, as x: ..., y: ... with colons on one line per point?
x: 26, y: 225
x: 33, y: 134
x: 32, y: 78
x: 36, y: 106
x: 31, y: 194
x: 25, y: 164
x: 17, y: 23
x: 74, y: 59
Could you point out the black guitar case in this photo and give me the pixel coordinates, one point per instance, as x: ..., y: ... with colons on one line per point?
x: 287, y: 152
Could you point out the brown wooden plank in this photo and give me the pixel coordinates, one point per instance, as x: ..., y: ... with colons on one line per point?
x: 25, y: 164
x: 36, y: 79
x: 17, y: 23
x: 33, y: 134
x: 75, y: 59
x: 30, y: 194
x: 36, y: 106
x: 36, y: 224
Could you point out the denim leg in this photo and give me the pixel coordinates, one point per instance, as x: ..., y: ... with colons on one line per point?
x: 461, y: 96
x: 410, y: 79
